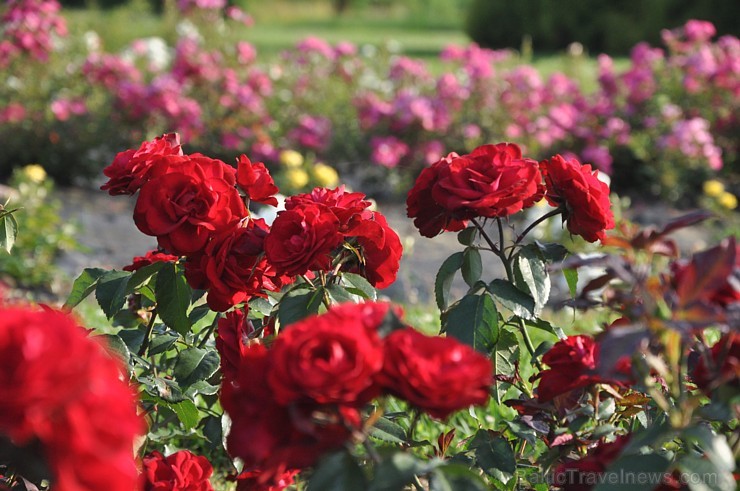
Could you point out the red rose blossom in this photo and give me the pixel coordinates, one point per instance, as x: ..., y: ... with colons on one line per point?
x: 250, y: 481
x: 380, y: 248
x: 584, y: 197
x: 181, y: 471
x: 585, y: 474
x: 302, y: 239
x: 61, y: 391
x: 130, y: 169
x: 150, y: 257
x: 188, y: 204
x: 256, y: 181
x: 438, y: 375
x: 343, y: 204
x: 725, y: 365
x: 233, y: 341
x: 329, y: 359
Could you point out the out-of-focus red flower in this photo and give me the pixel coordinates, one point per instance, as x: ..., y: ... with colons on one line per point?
x: 233, y: 340
x: 585, y: 474
x: 724, y: 369
x: 181, y: 471
x: 132, y: 168
x: 711, y: 276
x: 583, y: 196
x: 438, y: 375
x: 59, y: 387
x: 150, y: 257
x: 250, y: 481
x: 256, y: 181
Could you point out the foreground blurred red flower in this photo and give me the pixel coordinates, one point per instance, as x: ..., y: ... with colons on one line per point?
x: 724, y: 364
x: 61, y: 390
x: 232, y: 341
x: 438, y: 375
x: 584, y: 197
x: 584, y: 474
x: 181, y: 471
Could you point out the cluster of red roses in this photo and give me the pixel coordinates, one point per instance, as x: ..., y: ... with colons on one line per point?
x: 497, y: 181
x: 302, y: 397
x: 180, y: 471
x: 192, y: 205
x: 63, y: 403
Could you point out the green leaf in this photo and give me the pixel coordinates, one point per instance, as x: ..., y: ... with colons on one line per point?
x: 201, y: 387
x: 261, y: 305
x: 443, y: 281
x: 161, y: 342
x: 715, y: 446
x: 186, y: 412
x: 110, y: 291
x: 195, y: 364
x: 571, y: 277
x: 298, y: 304
x: 455, y: 477
x: 359, y: 286
x: 467, y: 236
x: 338, y: 294
x: 388, y: 431
x: 338, y: 472
x: 83, y: 286
x: 8, y: 231
x: 472, y: 266
x: 118, y: 348
x: 552, y: 251
x: 704, y: 476
x: 494, y: 455
x: 506, y: 357
x: 474, y: 321
x: 395, y: 472
x: 142, y: 275
x: 633, y: 473
x: 165, y: 389
x: 518, y: 302
x: 546, y: 326
x: 531, y: 270
x: 173, y: 298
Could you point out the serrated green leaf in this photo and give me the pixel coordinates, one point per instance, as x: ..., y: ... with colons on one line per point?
x: 260, y: 305
x: 195, y: 364
x: 201, y: 387
x: 531, y: 271
x: 506, y: 357
x: 359, y: 286
x: 173, y: 298
x: 118, y: 348
x: 8, y: 231
x: 474, y: 321
x: 110, y: 291
x: 571, y: 277
x: 546, y: 326
x: 552, y: 251
x: 298, y: 304
x: 83, y: 286
x: 161, y: 343
x: 443, y: 280
x: 388, y: 431
x: 494, y: 455
x: 509, y: 296
x: 338, y: 472
x: 142, y: 275
x: 186, y: 412
x: 339, y: 294
x: 472, y: 266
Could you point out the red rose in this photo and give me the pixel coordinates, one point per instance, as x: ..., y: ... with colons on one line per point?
x: 429, y: 216
x: 585, y: 474
x: 181, y: 471
x: 492, y: 181
x: 233, y: 267
x: 572, y: 362
x: 583, y: 196
x: 250, y: 481
x: 61, y: 391
x: 188, y: 204
x: 344, y: 205
x: 380, y: 248
x: 302, y: 239
x: 329, y: 359
x: 150, y: 257
x: 130, y: 169
x: 256, y: 181
x: 233, y: 341
x: 725, y: 364
x: 438, y: 375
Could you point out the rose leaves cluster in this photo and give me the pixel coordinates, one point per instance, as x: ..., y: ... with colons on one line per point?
x: 302, y: 397
x: 196, y: 207
x: 63, y: 394
x: 497, y: 181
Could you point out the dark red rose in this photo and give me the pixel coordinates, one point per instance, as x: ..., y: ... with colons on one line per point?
x: 233, y: 267
x: 256, y: 181
x: 186, y: 206
x: 302, y: 239
x: 328, y: 359
x: 573, y: 363
x: 86, y: 432
x: 585, y: 474
x: 711, y: 276
x: 582, y: 195
x: 130, y: 169
x: 724, y: 367
x: 379, y: 246
x: 438, y: 375
x: 233, y: 341
x: 250, y: 481
x: 181, y: 471
x: 150, y: 257
x: 344, y: 205
x: 491, y: 181
x: 429, y: 216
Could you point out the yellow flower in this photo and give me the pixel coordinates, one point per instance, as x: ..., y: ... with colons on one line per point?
x: 291, y: 158
x: 713, y: 188
x: 297, y: 178
x: 727, y: 200
x: 325, y: 175
x: 34, y: 173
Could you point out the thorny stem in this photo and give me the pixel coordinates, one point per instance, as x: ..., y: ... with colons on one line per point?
x: 147, y: 337
x: 486, y: 237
